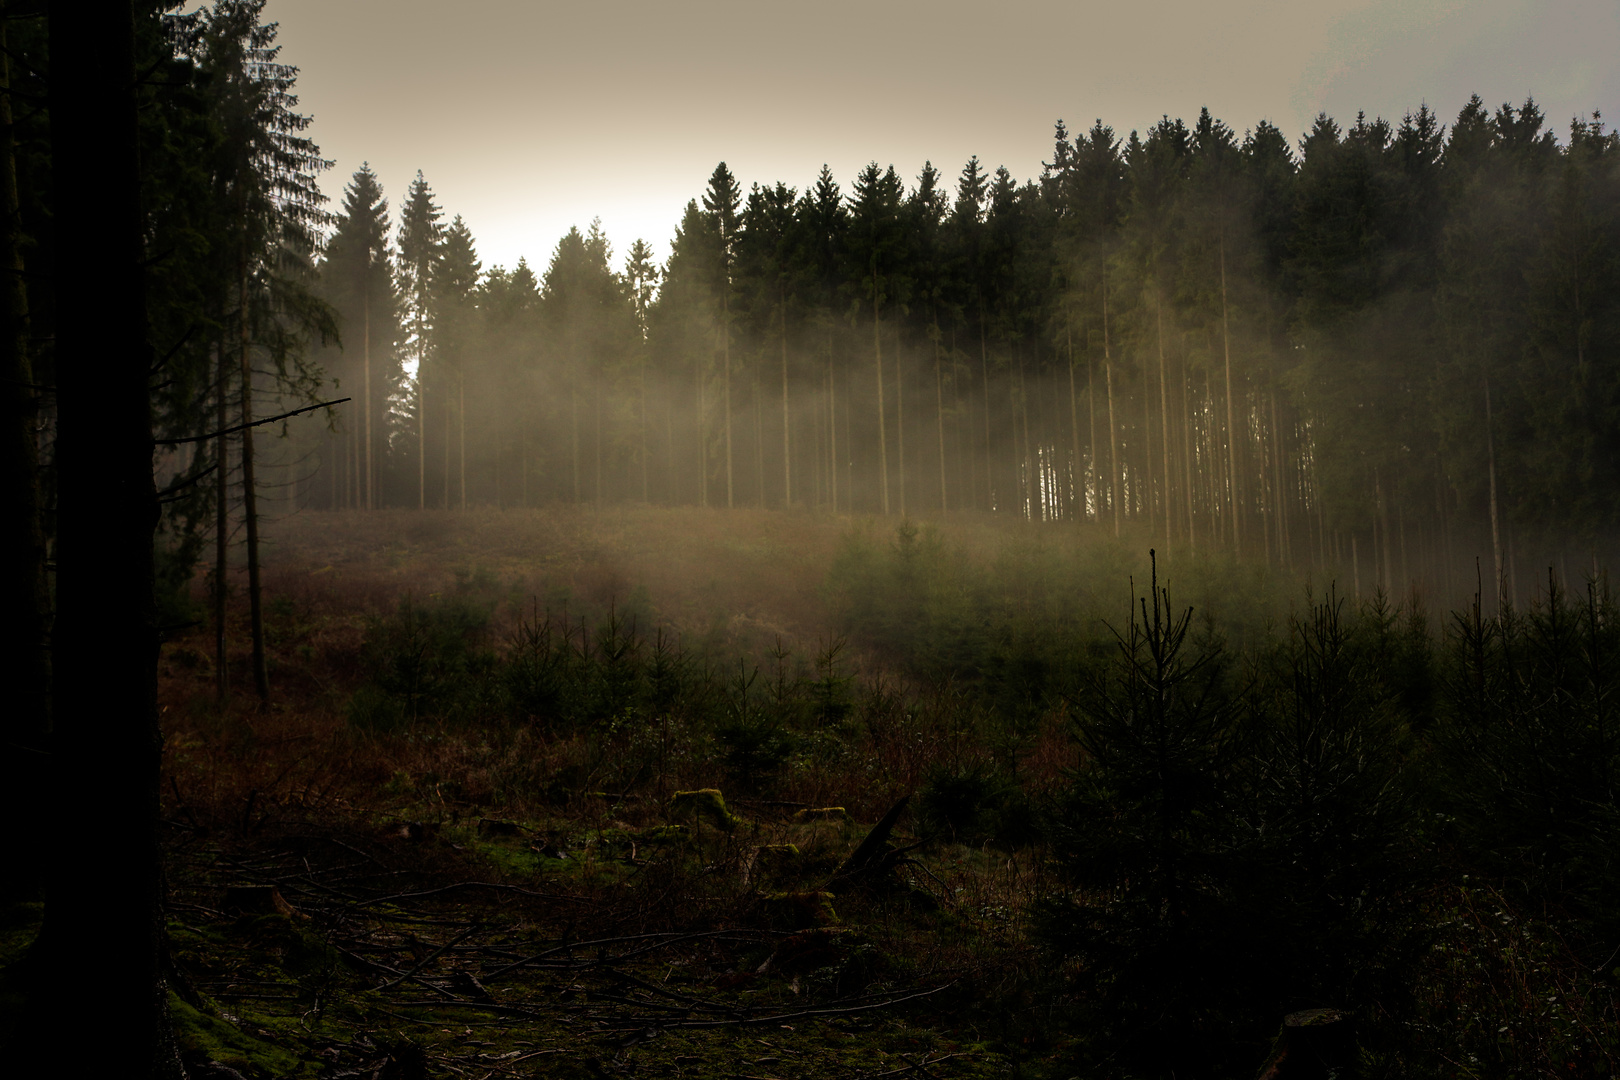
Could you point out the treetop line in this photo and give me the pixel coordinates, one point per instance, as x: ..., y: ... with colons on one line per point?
x: 1381, y: 352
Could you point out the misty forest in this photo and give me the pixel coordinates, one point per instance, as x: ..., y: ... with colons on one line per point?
x: 1151, y: 619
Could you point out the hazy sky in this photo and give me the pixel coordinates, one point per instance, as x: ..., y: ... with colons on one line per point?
x: 528, y: 116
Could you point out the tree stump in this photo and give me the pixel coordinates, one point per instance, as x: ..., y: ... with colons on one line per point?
x: 259, y: 900
x: 1316, y: 1044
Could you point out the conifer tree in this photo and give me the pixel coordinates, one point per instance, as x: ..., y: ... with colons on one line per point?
x: 876, y: 249
x: 965, y: 241
x: 823, y: 224
x: 927, y: 209
x: 721, y: 202
x: 765, y: 253
x: 454, y: 318
x: 685, y: 327
x: 641, y: 277
x: 266, y: 170
x: 358, y: 280
x: 420, y: 238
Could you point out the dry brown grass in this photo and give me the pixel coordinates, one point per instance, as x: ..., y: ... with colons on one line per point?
x: 748, y: 568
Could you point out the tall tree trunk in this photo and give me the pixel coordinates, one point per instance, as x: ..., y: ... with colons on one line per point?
x: 849, y: 453
x: 106, y: 742
x: 1496, y: 521
x: 703, y: 438
x: 1280, y: 488
x: 365, y: 354
x: 1355, y: 566
x: 967, y: 440
x: 1218, y: 504
x: 1075, y: 485
x: 421, y: 417
x: 449, y: 429
x: 1113, y: 430
x: 832, y: 425
x: 1091, y: 463
x: 25, y: 665
x: 984, y: 385
x: 725, y: 349
x: 222, y: 524
x: 1188, y: 464
x: 1031, y: 488
x: 250, y: 509
x: 1150, y: 501
x: 461, y: 431
x: 939, y: 416
x: 877, y: 366
x: 818, y: 456
x: 759, y: 440
x: 900, y: 414
x: 596, y: 432
x: 787, y: 421
x: 646, y: 493
x: 1164, y: 421
x: 1231, y: 427
x: 356, y: 456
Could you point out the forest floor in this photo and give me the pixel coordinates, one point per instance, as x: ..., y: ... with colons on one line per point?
x: 348, y: 902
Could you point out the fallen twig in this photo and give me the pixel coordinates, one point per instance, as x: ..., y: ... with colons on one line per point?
x: 912, y: 1066
x: 432, y: 956
x: 471, y: 885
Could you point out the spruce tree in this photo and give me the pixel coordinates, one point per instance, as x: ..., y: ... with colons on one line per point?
x: 765, y: 256
x: 721, y: 201
x: 358, y: 280
x: 823, y: 221
x: 876, y: 278
x: 927, y: 208
x: 420, y: 238
x: 266, y: 172
x: 965, y: 242
x: 454, y: 317
x: 684, y: 329
x: 641, y: 278
x: 1143, y: 839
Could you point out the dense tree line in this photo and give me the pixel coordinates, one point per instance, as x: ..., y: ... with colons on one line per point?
x: 1375, y: 351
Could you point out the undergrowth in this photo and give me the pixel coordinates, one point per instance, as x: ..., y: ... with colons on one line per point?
x: 1136, y: 834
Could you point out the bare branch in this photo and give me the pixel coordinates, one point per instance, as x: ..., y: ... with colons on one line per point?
x: 244, y: 427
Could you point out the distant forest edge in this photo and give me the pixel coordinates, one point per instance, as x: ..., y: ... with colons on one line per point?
x: 1391, y: 347
x: 1383, y: 352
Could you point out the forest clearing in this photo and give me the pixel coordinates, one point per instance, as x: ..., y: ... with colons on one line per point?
x: 455, y: 840
x: 1145, y: 613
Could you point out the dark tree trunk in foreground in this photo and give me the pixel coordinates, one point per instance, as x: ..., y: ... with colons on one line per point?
x: 250, y: 510
x: 25, y: 668
x: 102, y: 945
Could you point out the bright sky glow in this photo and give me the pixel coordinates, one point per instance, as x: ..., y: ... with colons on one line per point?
x: 528, y: 116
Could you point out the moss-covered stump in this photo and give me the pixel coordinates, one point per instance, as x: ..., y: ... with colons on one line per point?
x: 835, y: 814
x: 704, y: 804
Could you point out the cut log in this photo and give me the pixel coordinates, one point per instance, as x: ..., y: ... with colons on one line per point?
x: 870, y: 854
